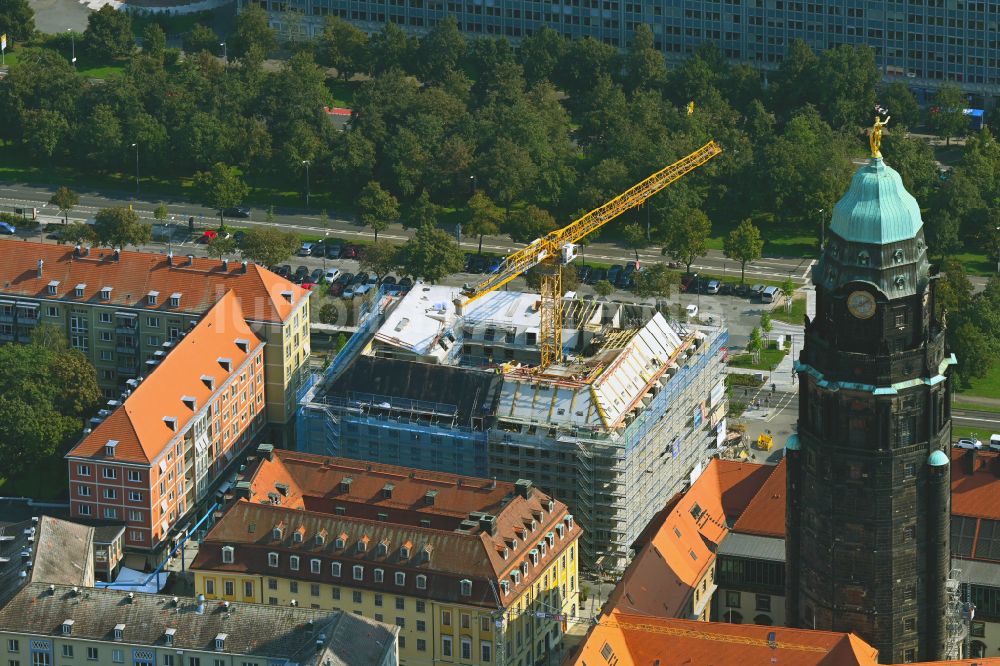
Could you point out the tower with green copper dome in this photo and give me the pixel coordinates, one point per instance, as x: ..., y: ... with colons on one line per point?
x: 868, y: 496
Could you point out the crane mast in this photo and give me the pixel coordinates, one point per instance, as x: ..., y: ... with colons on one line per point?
x: 560, y: 246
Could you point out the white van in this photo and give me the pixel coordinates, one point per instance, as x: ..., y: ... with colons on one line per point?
x: 769, y: 295
x: 994, y: 442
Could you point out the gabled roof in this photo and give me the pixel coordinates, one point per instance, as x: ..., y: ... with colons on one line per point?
x: 63, y: 553
x: 133, y: 275
x: 765, y: 515
x: 666, y: 571
x: 138, y: 425
x: 628, y: 639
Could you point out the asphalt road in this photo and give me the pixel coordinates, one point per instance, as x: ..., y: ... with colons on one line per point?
x: 16, y: 195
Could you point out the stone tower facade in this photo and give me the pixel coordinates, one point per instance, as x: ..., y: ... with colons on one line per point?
x: 868, y: 478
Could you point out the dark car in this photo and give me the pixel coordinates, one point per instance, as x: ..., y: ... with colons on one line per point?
x: 614, y: 272
x: 236, y: 211
x: 333, y: 250
x: 583, y: 272
x: 336, y: 289
x: 301, y: 273
x: 345, y: 279
x: 726, y: 289
x: 688, y: 282
x: 360, y: 279
x: 742, y: 290
x: 405, y: 283
x: 284, y: 270
x: 624, y: 279
x: 493, y: 264
x: 478, y: 264
x: 316, y: 276
x: 389, y: 279
x: 597, y: 275
x: 239, y: 236
x: 349, y: 252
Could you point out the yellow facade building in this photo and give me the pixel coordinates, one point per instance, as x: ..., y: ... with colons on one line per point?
x: 472, y: 571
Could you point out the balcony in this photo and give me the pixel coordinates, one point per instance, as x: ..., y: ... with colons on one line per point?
x: 126, y: 330
x: 6, y: 318
x: 127, y: 349
x: 127, y: 372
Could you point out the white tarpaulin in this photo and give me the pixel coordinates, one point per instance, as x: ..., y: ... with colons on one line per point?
x: 130, y: 580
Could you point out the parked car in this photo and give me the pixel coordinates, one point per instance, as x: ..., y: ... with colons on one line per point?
x: 478, y: 264
x: 8, y: 229
x: 331, y: 275
x: 373, y: 279
x: 284, y: 270
x: 597, y: 275
x: 688, y: 282
x: 347, y: 293
x: 742, y: 290
x: 493, y: 264
x: 301, y: 273
x: 726, y: 289
x: 966, y: 443
x: 239, y: 235
x: 333, y: 251
x: 405, y: 283
x: 349, y: 252
x: 624, y: 280
x: 389, y: 279
x: 306, y: 250
x: 236, y: 211
x: 692, y: 310
x: 756, y: 290
x: 583, y: 272
x: 345, y: 278
x: 308, y: 285
x: 317, y: 275
x: 713, y: 287
x: 336, y: 289
x: 614, y: 272
x: 359, y: 279
x: 209, y: 235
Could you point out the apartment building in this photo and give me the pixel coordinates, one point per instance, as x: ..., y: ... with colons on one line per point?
x: 125, y: 309
x: 921, y: 43
x: 615, y: 430
x: 154, y: 459
x: 471, y: 570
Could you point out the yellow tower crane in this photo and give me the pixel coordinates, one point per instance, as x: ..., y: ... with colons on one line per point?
x: 561, y: 246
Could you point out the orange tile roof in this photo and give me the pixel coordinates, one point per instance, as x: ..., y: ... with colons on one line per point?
x: 663, y: 575
x: 135, y: 274
x: 974, y: 493
x: 765, y: 515
x: 640, y: 640
x: 138, y: 424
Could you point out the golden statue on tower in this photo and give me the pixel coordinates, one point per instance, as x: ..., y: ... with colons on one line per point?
x: 875, y: 138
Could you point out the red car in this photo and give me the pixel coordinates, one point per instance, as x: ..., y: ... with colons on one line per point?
x: 210, y: 234
x: 308, y: 285
x: 349, y: 252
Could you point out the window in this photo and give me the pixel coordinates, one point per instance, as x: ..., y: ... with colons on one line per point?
x: 135, y: 516
x: 227, y: 554
x: 445, y: 618
x: 83, y: 490
x: 421, y: 645
x: 379, y: 575
x: 118, y: 656
x: 168, y: 660
x: 134, y: 496
x: 466, y: 648
x: 378, y: 599
x: 293, y: 586
x: 485, y: 651
x: 229, y: 588
x: 466, y: 588
x: 400, y: 578
x: 335, y: 592
x: 358, y: 572
x: 484, y: 623
x: 401, y: 622
x: 293, y: 562
x: 134, y: 475
x: 248, y: 588
x: 109, y: 472
x: 13, y: 645
x: 356, y: 597
x: 421, y: 582
x: 732, y: 598
x: 110, y: 493
x: 314, y: 589
x: 314, y: 566
x: 153, y: 322
x: 762, y: 602
x: 421, y: 606
x: 400, y: 603
x: 209, y: 586
x: 465, y: 620
x: 446, y: 646
x: 91, y: 654
x: 335, y: 569
x: 84, y: 509
x: 421, y: 625
x: 272, y: 583
x: 83, y: 470
x: 111, y: 513
x: 978, y: 629
x: 67, y: 651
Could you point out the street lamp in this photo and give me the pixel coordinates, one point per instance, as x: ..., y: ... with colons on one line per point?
x: 72, y: 43
x: 136, y: 146
x: 822, y: 229
x: 225, y: 52
x: 472, y: 182
x: 307, y: 163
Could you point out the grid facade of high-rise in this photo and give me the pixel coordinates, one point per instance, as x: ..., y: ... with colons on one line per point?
x: 923, y: 42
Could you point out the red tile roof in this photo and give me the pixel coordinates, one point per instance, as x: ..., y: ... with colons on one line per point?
x: 664, y: 574
x: 974, y: 493
x: 135, y: 274
x: 765, y: 515
x: 640, y: 640
x: 138, y: 425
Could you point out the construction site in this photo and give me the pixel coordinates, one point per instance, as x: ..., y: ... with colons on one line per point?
x: 610, y: 407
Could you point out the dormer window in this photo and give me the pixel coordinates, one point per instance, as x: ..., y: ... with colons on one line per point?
x: 119, y: 631
x: 298, y: 534
x: 152, y: 297
x: 516, y: 576
x: 278, y: 533
x: 171, y: 422
x: 421, y: 582
x: 53, y: 287
x: 505, y: 587
x: 67, y: 627
x: 227, y: 554
x: 897, y: 256
x: 105, y: 293
x: 345, y: 484
x: 383, y: 548
x: 109, y: 448
x: 900, y: 282
x: 225, y: 363
x: 175, y: 300
x: 561, y: 529
x: 551, y: 538
x: 379, y: 575
x: 400, y: 578
x: 505, y: 553
x: 168, y: 636
x: 321, y: 538
x: 363, y: 544
x: 335, y: 569
x: 465, y: 586
x: 190, y: 402
x: 524, y: 569
x: 314, y: 566
x: 404, y: 552
x: 293, y: 562
x: 542, y: 547
x: 534, y: 556
x: 244, y: 345
x: 387, y: 491
x: 569, y: 522
x: 272, y: 559
x: 340, y: 541
x: 220, y: 642
x: 78, y: 290
x: 358, y: 572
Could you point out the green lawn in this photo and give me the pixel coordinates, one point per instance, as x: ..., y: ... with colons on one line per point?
x: 769, y: 359
x: 45, y: 480
x: 343, y: 92
x: 975, y: 406
x: 795, y: 316
x: 958, y: 432
x: 985, y: 387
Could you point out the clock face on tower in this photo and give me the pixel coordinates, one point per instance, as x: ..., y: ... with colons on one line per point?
x: 861, y: 304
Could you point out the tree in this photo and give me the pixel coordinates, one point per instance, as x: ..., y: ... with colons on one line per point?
x: 603, y: 288
x: 343, y: 47
x: 267, y: 247
x: 76, y: 233
x: 17, y: 20
x: 49, y: 336
x: 422, y: 211
x: 221, y: 246
x: 46, y: 394
x: 431, y: 254
x: 118, y: 227
x: 569, y: 280
x: 99, y: 136
x: 154, y: 41
x: 656, y: 280
x: 252, y: 36
x: 484, y: 218
x: 635, y: 238
x: 381, y: 258
x: 902, y: 105
x: 914, y: 159
x: 687, y: 235
x: 43, y: 131
x: 440, y: 50
x: 943, y: 233
x: 220, y: 188
x: 766, y: 325
x: 161, y: 212
x: 954, y: 289
x: 755, y: 344
x: 200, y: 38
x: 744, y: 244
x: 529, y: 223
x: 109, y: 32
x: 377, y: 207
x: 946, y: 118
x: 65, y: 200
x: 974, y: 350
x: 788, y: 292
x: 645, y: 66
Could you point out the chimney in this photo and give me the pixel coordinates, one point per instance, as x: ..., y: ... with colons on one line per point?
x: 40, y: 264
x: 243, y: 266
x: 266, y: 451
x: 131, y: 596
x: 117, y: 254
x: 429, y: 497
x: 243, y: 489
x: 458, y: 306
x: 77, y: 251
x: 225, y: 265
x: 488, y: 524
x: 170, y: 258
x: 190, y: 260
x: 523, y: 488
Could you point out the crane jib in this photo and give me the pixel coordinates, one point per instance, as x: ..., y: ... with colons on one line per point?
x: 552, y: 244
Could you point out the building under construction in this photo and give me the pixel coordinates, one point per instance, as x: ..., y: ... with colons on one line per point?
x: 615, y: 429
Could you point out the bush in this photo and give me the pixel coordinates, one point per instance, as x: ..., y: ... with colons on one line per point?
x: 739, y: 379
x: 171, y: 57
x: 18, y: 221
